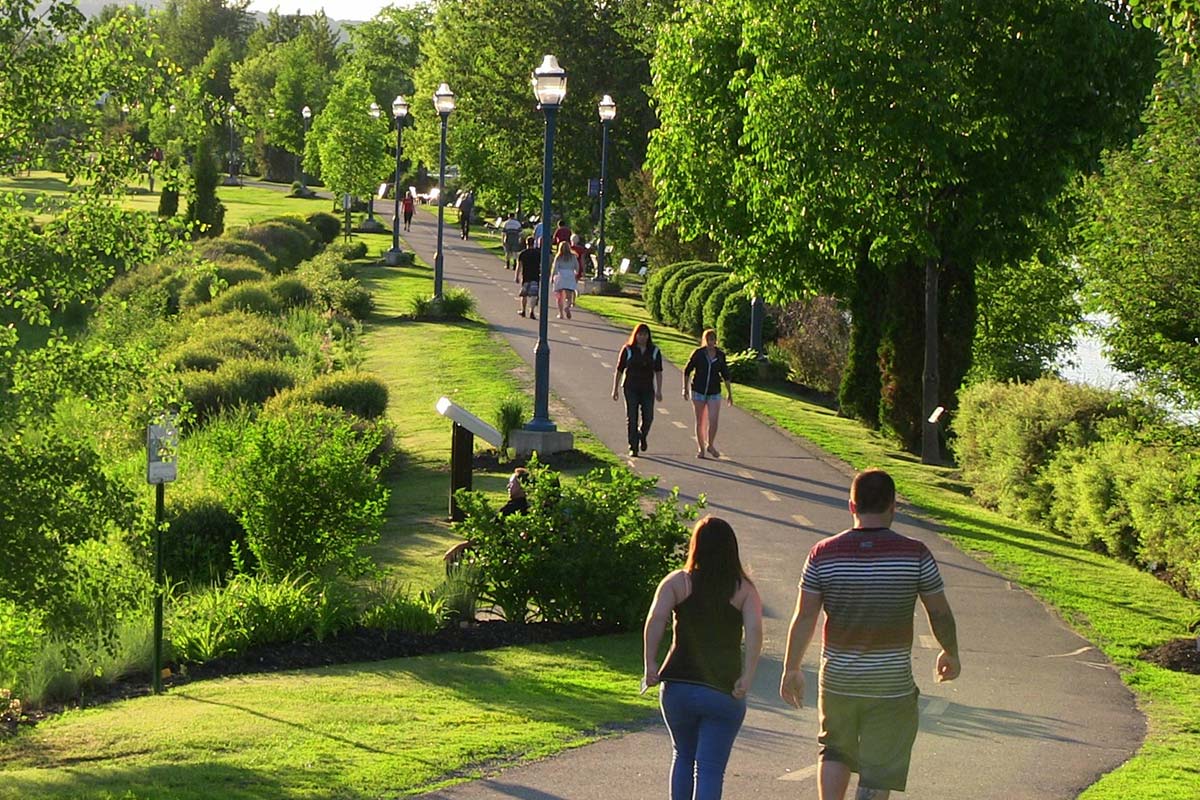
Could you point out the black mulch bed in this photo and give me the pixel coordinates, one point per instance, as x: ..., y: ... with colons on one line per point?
x: 1180, y: 655
x: 357, y: 645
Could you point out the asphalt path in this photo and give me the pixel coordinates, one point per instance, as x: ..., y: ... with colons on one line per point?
x: 1037, y: 713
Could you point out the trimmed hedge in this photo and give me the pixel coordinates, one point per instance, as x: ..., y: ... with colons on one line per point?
x: 225, y: 249
x: 692, y: 318
x: 214, y: 340
x: 667, y: 309
x: 254, y: 298
x: 679, y: 290
x: 290, y: 291
x: 285, y: 242
x: 237, y: 382
x: 202, y: 530
x: 307, y: 228
x: 358, y: 393
x: 652, y: 288
x: 715, y: 304
x: 733, y: 326
x: 327, y: 226
x: 198, y: 290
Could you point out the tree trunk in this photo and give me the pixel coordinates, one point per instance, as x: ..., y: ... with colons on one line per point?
x: 931, y: 450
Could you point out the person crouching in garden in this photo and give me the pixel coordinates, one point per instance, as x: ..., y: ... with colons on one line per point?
x: 708, y: 368
x: 708, y: 672
x: 641, y: 362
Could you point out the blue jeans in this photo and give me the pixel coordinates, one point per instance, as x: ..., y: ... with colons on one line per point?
x: 638, y: 400
x: 703, y: 724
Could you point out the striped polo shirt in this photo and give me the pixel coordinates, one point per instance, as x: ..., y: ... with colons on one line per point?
x: 869, y: 579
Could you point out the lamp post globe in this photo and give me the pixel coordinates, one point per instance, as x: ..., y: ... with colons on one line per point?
x: 443, y: 103
x: 608, y: 112
x: 306, y: 113
x: 549, y: 81
x: 400, y: 114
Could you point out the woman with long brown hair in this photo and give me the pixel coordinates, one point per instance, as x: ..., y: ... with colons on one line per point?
x: 708, y: 672
x: 641, y: 363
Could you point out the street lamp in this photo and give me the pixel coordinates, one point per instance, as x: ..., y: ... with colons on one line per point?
x: 443, y: 102
x: 306, y: 113
x: 550, y: 87
x: 608, y: 112
x: 399, y: 113
x: 232, y: 180
x: 371, y: 224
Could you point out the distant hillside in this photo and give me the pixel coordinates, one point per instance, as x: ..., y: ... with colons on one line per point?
x: 91, y: 8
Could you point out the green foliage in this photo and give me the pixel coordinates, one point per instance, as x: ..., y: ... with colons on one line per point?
x: 213, y: 340
x: 201, y: 530
x: 290, y: 291
x: 1141, y: 242
x: 326, y: 277
x: 353, y: 250
x: 351, y: 147
x: 1006, y: 433
x: 656, y: 281
x: 327, y: 225
x: 746, y: 367
x: 585, y: 552
x: 359, y: 393
x: 305, y: 227
x: 235, y: 382
x: 677, y: 287
x: 288, y: 245
x: 733, y: 326
x: 306, y: 491
x: 205, y: 212
x: 454, y: 304
x: 253, y: 298
x: 1164, y: 504
x: 459, y: 593
x: 22, y: 632
x: 225, y: 248
x: 1089, y: 489
x: 510, y: 415
x: 1176, y: 21
x: 691, y: 318
x: 901, y: 356
x: 858, y: 393
x: 391, y: 607
x: 814, y: 342
x: 56, y: 495
x: 715, y: 303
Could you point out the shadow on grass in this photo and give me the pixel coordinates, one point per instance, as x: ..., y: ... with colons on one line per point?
x: 981, y: 529
x: 151, y: 782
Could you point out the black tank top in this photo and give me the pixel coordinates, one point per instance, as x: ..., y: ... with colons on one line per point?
x: 707, y: 646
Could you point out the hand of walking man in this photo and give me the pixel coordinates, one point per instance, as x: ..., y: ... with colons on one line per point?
x: 791, y: 688
x: 947, y: 667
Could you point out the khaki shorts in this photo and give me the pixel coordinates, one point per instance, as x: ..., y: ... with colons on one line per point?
x: 873, y: 736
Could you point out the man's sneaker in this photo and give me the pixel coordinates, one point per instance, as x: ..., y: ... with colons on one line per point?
x: 643, y: 442
x: 633, y: 452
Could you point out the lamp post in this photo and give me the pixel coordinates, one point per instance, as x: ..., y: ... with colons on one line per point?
x: 306, y: 113
x: 232, y: 180
x: 608, y: 112
x: 550, y: 87
x: 443, y: 102
x: 399, y: 113
x: 371, y: 224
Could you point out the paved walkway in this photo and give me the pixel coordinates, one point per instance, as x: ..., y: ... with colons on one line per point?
x: 1038, y: 712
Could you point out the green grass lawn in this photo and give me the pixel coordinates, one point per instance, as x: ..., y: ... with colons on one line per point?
x: 1121, y: 609
x: 387, y: 729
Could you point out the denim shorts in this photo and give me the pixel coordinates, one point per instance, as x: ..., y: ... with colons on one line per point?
x: 705, y: 398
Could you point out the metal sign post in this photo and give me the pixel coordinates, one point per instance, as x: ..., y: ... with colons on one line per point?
x: 162, y: 447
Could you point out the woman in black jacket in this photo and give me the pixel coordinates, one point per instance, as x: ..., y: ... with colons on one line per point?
x: 641, y: 363
x: 708, y: 368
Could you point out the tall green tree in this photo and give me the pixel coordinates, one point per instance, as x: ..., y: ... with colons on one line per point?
x: 388, y: 47
x: 1141, y: 242
x: 348, y: 147
x: 188, y: 29
x: 485, y: 50
x: 1177, y: 21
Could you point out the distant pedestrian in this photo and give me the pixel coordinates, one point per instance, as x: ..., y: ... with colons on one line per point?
x: 563, y: 275
x: 407, y: 206
x: 707, y: 673
x: 466, y: 207
x: 867, y: 579
x: 562, y: 233
x: 580, y: 253
x: 511, y: 232
x: 708, y: 368
x: 641, y: 363
x: 529, y: 272
x: 537, y: 233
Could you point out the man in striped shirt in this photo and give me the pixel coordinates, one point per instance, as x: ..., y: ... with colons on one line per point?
x: 868, y: 580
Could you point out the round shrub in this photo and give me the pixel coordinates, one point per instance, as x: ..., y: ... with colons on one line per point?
x: 328, y: 226
x: 691, y: 319
x: 199, y: 290
x: 308, y: 472
x: 307, y: 228
x: 253, y: 298
x: 201, y: 532
x: 351, y: 250
x: 290, y: 291
x: 1089, y: 487
x: 715, y: 303
x: 286, y: 243
x: 733, y: 326
x: 214, y: 340
x: 358, y: 393
x: 225, y: 249
x: 652, y: 289
x: 678, y: 289
x: 234, y: 383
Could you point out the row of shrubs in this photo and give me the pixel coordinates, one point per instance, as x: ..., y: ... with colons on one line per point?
x: 1097, y: 466
x: 695, y: 295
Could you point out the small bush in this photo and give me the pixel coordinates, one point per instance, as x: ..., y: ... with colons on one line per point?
x: 326, y: 277
x: 327, y: 225
x: 746, y: 367
x: 235, y: 382
x: 1164, y: 504
x: 715, y: 303
x: 390, y: 607
x: 1005, y: 434
x: 21, y: 631
x: 225, y: 249
x: 286, y: 243
x: 510, y: 415
x: 733, y: 326
x: 361, y: 394
x: 252, y: 298
x: 307, y: 228
x: 589, y: 552
x: 215, y: 340
x: 691, y: 319
x: 310, y: 471
x: 454, y: 304
x: 677, y: 286
x: 815, y: 342
x: 290, y: 292
x: 1089, y: 489
x: 351, y: 250
x: 655, y: 281
x: 201, y: 532
x: 459, y: 593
